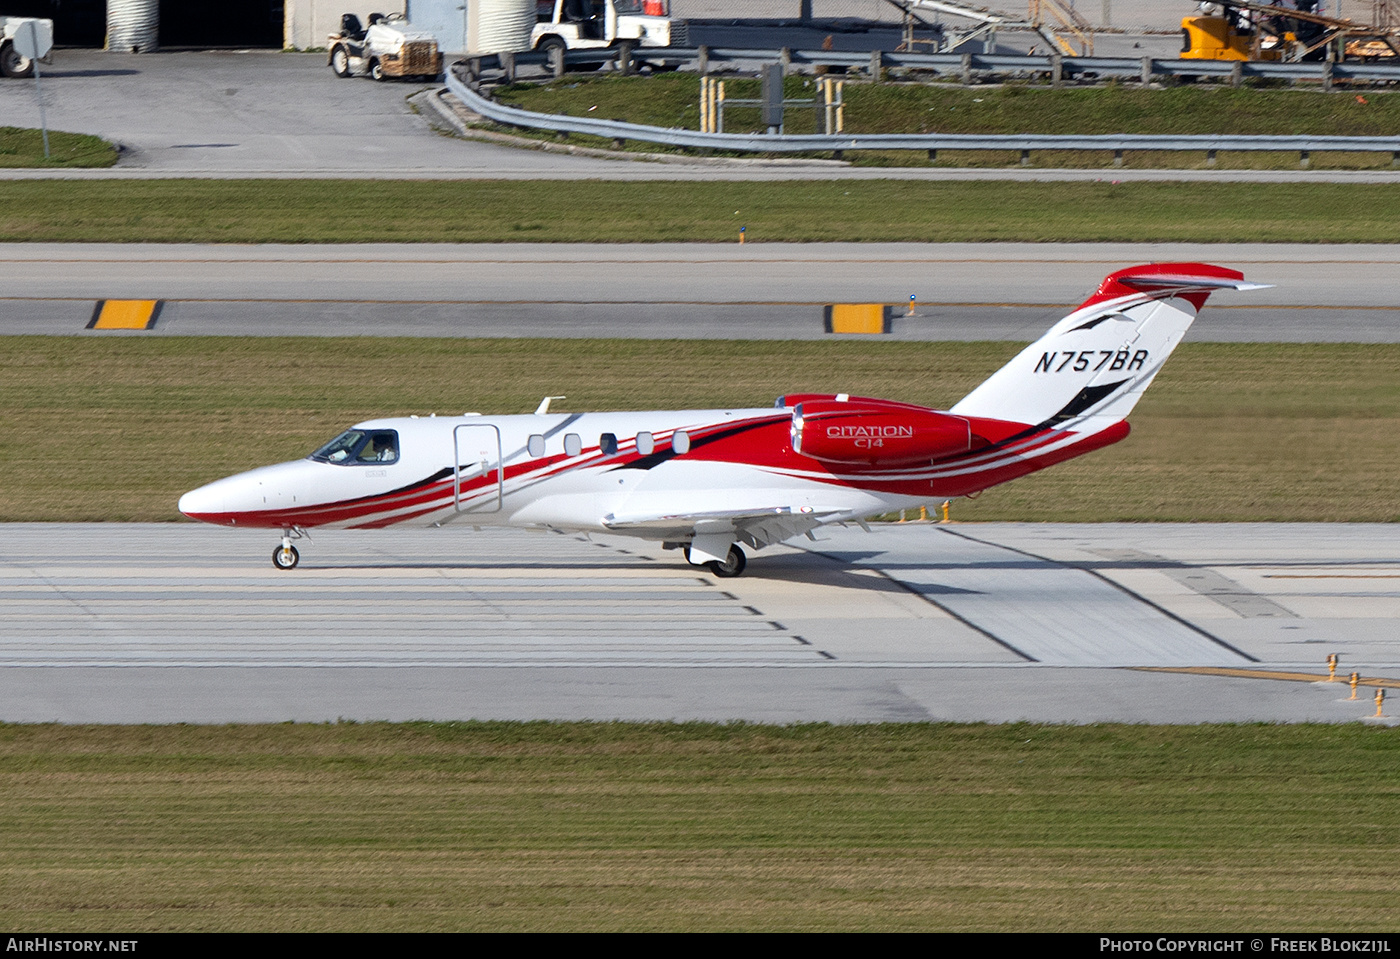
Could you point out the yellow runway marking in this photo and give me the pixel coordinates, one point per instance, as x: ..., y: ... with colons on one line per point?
x: 125, y: 315
x: 1266, y: 674
x: 858, y: 318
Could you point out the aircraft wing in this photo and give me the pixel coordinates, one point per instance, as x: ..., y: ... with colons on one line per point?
x: 756, y: 527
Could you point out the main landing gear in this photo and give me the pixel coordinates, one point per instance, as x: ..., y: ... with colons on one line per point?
x: 286, y: 556
x: 733, y: 564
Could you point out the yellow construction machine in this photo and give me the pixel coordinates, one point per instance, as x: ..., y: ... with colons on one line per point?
x: 1242, y: 30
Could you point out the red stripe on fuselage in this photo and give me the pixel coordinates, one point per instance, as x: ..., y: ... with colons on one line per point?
x: 763, y: 443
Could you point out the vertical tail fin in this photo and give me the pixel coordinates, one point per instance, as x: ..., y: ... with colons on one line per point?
x: 1093, y: 366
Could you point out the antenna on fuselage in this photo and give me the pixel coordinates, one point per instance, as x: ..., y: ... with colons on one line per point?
x: 543, y: 408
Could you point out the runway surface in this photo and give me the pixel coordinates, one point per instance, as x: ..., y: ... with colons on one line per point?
x: 997, y: 622
x: 964, y: 291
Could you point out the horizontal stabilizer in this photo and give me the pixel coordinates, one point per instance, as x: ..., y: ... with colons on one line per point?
x: 1183, y: 283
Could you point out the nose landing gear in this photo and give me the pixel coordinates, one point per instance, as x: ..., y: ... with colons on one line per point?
x: 286, y: 556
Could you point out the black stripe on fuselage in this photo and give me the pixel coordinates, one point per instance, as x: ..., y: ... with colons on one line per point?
x: 1082, y: 401
x: 417, y: 485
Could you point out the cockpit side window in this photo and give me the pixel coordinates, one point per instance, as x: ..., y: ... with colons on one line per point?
x: 360, y: 448
x: 381, y: 447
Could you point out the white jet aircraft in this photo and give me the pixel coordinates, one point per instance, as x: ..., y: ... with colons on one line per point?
x: 707, y: 481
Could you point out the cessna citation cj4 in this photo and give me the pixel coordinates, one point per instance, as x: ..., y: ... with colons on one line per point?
x: 708, y: 480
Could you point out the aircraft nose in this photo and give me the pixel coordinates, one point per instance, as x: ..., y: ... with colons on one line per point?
x: 258, y: 497
x: 201, y: 503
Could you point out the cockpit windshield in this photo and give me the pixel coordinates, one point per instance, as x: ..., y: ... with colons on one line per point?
x: 360, y: 447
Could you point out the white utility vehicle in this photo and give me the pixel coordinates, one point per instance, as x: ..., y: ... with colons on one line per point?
x: 390, y: 47
x: 603, y: 24
x: 12, y: 62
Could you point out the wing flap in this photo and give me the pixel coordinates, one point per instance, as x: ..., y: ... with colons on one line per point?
x: 756, y: 527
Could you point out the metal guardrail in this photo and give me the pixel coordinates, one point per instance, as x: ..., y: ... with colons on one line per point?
x: 984, y: 63
x: 619, y: 130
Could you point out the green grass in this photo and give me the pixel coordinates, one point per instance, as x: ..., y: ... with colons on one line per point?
x: 117, y: 429
x: 673, y: 101
x: 307, y: 211
x: 570, y: 826
x: 20, y: 147
x: 1011, y: 108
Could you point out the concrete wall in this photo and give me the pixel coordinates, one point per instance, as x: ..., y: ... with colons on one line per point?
x: 308, y: 22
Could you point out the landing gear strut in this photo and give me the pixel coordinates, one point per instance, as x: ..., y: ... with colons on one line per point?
x: 733, y: 565
x: 286, y: 556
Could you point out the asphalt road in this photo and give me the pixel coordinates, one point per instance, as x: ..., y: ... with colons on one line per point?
x: 280, y: 114
x: 989, y: 622
x: 754, y: 291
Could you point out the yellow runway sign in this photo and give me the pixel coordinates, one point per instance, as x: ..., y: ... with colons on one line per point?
x: 125, y: 314
x: 858, y: 318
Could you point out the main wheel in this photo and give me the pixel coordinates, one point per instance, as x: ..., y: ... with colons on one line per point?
x: 340, y: 62
x: 285, y: 557
x: 13, y: 65
x: 732, y: 566
x: 376, y: 70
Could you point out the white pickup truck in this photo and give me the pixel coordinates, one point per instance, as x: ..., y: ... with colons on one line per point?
x: 602, y: 24
x: 12, y: 62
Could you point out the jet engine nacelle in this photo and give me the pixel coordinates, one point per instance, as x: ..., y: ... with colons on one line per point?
x: 875, y: 433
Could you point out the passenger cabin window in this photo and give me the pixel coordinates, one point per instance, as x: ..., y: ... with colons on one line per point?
x: 608, y: 444
x: 535, y: 445
x: 573, y: 444
x: 680, y: 442
x: 360, y: 448
x: 646, y: 444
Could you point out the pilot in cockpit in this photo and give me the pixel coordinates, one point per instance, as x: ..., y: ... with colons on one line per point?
x: 381, y: 449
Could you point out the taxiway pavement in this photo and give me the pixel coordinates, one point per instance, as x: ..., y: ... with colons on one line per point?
x: 982, y: 622
x: 964, y: 291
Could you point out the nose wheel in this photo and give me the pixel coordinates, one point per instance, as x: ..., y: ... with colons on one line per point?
x: 286, y: 556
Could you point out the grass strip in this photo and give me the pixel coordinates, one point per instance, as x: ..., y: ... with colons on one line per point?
x: 612, y: 826
x: 315, y: 211
x: 674, y: 101
x: 1009, y: 108
x: 116, y: 429
x: 21, y: 147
